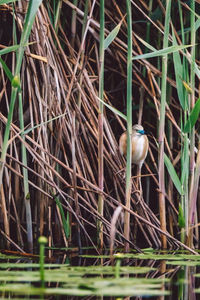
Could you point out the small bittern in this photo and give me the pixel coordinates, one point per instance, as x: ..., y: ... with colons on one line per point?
x: 140, y: 146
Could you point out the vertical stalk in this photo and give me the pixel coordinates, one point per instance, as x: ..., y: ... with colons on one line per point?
x: 129, y: 125
x: 85, y: 18
x: 57, y: 15
x: 192, y: 132
x: 162, y: 206
x: 30, y: 17
x: 74, y: 180
x: 184, y: 148
x: 4, y: 212
x: 73, y: 24
x: 42, y: 241
x: 25, y: 181
x: 148, y: 27
x: 7, y: 132
x: 3, y: 158
x: 100, y: 126
x: 83, y: 50
x: 194, y: 192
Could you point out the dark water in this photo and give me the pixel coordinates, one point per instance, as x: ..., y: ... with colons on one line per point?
x: 147, y: 276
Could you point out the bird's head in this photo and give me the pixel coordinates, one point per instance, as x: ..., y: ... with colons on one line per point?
x: 138, y: 130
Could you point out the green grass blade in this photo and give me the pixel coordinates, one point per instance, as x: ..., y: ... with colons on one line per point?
x: 178, y: 67
x: 147, y: 45
x: 42, y: 123
x: 64, y: 220
x: 29, y: 19
x: 185, y: 158
x: 27, y: 200
x: 6, y: 69
x: 9, y: 49
x: 57, y: 15
x: 197, y: 24
x: 165, y: 51
x: 197, y: 71
x: 173, y: 174
x: 112, y: 35
x: 113, y: 109
x: 193, y: 117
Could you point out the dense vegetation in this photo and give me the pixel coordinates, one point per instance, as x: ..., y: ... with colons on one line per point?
x: 62, y: 174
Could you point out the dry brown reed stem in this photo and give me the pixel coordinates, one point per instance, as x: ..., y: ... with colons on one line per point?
x: 80, y: 51
x: 147, y: 222
x: 55, y: 165
x: 11, y: 241
x: 5, y: 213
x: 75, y: 195
x: 140, y: 218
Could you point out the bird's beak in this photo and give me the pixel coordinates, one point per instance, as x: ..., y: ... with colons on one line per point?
x: 142, y: 132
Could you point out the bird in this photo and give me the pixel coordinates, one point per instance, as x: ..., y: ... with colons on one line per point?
x: 140, y: 146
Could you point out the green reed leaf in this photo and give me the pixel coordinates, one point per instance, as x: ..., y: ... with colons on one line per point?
x: 161, y: 52
x: 173, y: 174
x: 64, y: 220
x: 9, y: 49
x: 6, y: 69
x: 193, y: 117
x: 147, y: 45
x: 178, y: 67
x: 113, y: 109
x: 112, y: 35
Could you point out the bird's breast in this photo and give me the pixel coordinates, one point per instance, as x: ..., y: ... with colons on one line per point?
x: 139, y: 149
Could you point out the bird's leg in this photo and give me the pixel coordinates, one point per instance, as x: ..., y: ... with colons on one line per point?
x: 139, y: 183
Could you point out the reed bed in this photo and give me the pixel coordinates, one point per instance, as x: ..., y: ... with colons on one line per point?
x: 65, y: 103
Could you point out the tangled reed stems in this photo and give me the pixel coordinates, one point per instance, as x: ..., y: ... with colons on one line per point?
x: 60, y: 82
